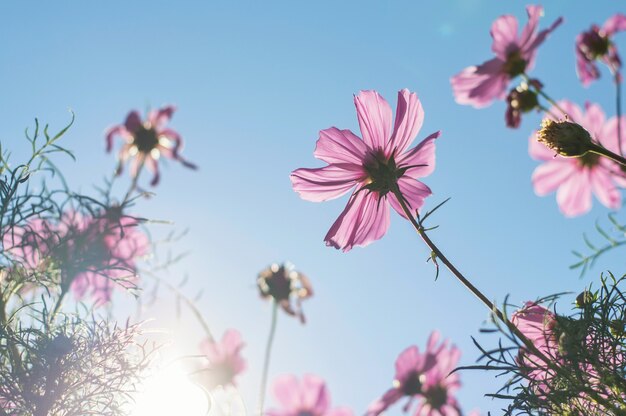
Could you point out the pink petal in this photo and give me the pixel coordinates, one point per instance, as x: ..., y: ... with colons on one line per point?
x: 340, y: 411
x: 608, y: 135
x: 539, y: 151
x: 480, y: 85
x: 414, y: 193
x: 364, y: 220
x: 552, y: 174
x: 153, y: 166
x: 573, y: 111
x: 574, y: 195
x: 374, y: 115
x: 504, y: 34
x: 314, y: 394
x: 615, y: 23
x: 287, y: 392
x: 329, y: 182
x: 158, y: 118
x: 111, y: 133
x: 587, y: 71
x: 340, y: 146
x: 409, y: 120
x: 409, y: 360
x: 421, y: 157
x: 382, y: 404
x: 594, y: 120
x: 604, y: 188
x: 529, y: 41
x: 231, y: 341
x: 133, y: 122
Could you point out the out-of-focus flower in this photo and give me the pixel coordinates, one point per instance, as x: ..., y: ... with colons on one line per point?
x: 596, y: 44
x: 425, y: 376
x: 225, y: 361
x: 147, y: 141
x: 521, y: 99
x: 93, y: 254
x: 515, y: 54
x: 377, y: 166
x: 575, y: 179
x: 286, y: 286
x: 308, y: 397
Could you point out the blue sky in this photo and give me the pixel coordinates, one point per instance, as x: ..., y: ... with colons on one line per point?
x: 254, y: 82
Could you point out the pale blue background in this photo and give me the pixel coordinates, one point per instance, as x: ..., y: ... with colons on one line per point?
x: 255, y: 82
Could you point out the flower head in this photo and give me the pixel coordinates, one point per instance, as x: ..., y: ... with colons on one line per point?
x: 147, y: 141
x: 520, y: 100
x: 425, y: 376
x: 225, y: 360
x: 575, y: 179
x: 308, y: 397
x: 378, y: 168
x: 91, y: 254
x: 515, y: 54
x: 285, y: 285
x: 596, y: 44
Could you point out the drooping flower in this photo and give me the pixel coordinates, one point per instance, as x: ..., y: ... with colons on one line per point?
x: 92, y: 254
x: 308, y: 397
x: 515, y: 54
x: 146, y: 142
x: 596, y: 44
x: 376, y: 167
x: 575, y: 179
x: 425, y: 377
x: 286, y: 286
x: 520, y: 100
x: 225, y: 361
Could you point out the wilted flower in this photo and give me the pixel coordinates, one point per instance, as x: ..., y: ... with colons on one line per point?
x: 480, y: 85
x: 93, y: 254
x: 147, y: 141
x: 377, y: 166
x: 521, y: 99
x: 576, y: 178
x: 285, y: 285
x: 310, y: 397
x: 596, y: 44
x: 225, y: 361
x: 425, y: 376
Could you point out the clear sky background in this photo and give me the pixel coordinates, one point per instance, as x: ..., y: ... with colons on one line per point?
x: 254, y: 83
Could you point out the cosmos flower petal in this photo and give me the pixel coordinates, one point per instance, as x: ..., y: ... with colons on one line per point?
x: 574, y: 195
x: 158, y: 118
x: 339, y: 411
x: 414, y: 193
x: 552, y: 174
x: 409, y: 120
x: 615, y: 23
x: 287, y: 392
x: 314, y: 394
x: 340, y: 146
x: 421, y: 158
x: 110, y: 134
x: 504, y: 34
x: 380, y: 405
x: 133, y: 122
x: 594, y: 119
x: 480, y: 85
x: 374, y: 115
x: 364, y: 220
x: 604, y: 188
x: 407, y: 361
x: 329, y: 182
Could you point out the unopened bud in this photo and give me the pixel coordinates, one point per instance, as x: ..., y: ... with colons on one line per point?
x: 565, y: 138
x: 585, y: 298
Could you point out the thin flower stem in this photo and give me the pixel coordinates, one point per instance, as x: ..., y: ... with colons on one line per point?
x: 266, y: 363
x: 547, y: 111
x: 133, y: 184
x: 602, y: 151
x: 544, y: 95
x: 618, y: 106
x: 493, y: 308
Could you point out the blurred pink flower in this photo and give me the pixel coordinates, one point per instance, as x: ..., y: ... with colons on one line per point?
x: 424, y: 376
x: 147, y: 141
x: 575, y: 179
x: 93, y: 254
x: 596, y: 44
x: 286, y: 286
x: 310, y: 397
x: 225, y: 360
x: 375, y: 165
x: 480, y: 85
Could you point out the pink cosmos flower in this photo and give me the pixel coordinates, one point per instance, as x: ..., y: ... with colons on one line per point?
x: 308, y: 397
x: 225, y: 360
x: 575, y: 179
x: 93, y: 254
x: 596, y: 44
x: 374, y: 167
x: 425, y: 376
x: 480, y: 85
x: 286, y: 286
x: 147, y: 141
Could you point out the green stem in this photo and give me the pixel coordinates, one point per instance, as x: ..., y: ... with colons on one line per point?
x: 618, y: 107
x: 544, y: 95
x: 266, y: 363
x: 602, y: 151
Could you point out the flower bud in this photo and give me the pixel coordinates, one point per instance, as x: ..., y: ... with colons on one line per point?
x: 565, y: 138
x: 585, y: 298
